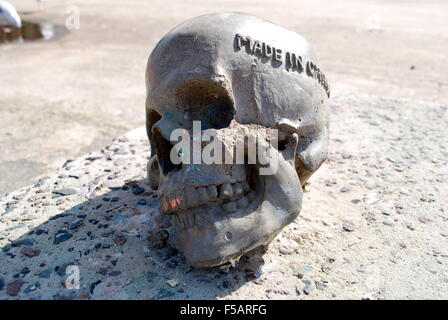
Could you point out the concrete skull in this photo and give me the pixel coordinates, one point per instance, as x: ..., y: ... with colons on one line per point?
x: 237, y: 74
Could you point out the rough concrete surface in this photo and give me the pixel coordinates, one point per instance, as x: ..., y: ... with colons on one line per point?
x: 62, y: 98
x: 373, y: 226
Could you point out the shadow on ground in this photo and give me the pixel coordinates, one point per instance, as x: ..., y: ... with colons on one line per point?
x: 114, y: 241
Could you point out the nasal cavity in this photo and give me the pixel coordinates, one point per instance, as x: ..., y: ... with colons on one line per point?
x: 161, y: 146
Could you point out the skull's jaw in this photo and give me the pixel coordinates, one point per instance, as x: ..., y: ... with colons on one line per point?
x: 216, y: 236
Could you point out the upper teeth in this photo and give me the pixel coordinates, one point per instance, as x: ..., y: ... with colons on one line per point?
x: 192, y: 197
x: 225, y: 190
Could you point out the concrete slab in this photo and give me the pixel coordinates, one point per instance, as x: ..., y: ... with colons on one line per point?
x: 373, y: 226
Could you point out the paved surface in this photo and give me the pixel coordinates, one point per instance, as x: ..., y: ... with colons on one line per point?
x: 373, y: 226
x: 60, y: 99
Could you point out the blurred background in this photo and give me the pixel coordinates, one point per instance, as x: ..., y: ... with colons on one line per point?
x: 83, y: 86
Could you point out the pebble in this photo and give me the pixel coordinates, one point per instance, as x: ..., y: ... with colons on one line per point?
x: 298, y: 272
x: 41, y: 181
x: 112, y: 176
x: 25, y: 271
x: 65, y: 191
x: 119, y: 239
x: 60, y: 270
x: 393, y: 160
x: 345, y: 189
x: 13, y: 288
x: 23, y: 242
x: 325, y: 268
x: 137, y: 190
x: 348, y: 226
x: 172, y: 283
x: 30, y: 252
x: 75, y: 224
x: 141, y: 202
x: 41, y: 231
x: 45, y: 274
x: 94, y: 156
x: 345, y: 155
x: 32, y: 287
x: 423, y: 219
x: 93, y: 221
x: 61, y: 236
x: 319, y: 285
x: 307, y: 288
x: 9, y: 208
x: 61, y: 215
x: 372, y: 198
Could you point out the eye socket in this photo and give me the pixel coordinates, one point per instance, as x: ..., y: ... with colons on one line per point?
x: 207, y: 101
x: 282, y: 144
x: 219, y: 115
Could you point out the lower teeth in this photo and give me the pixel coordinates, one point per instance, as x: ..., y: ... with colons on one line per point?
x: 242, y: 203
x: 229, y: 206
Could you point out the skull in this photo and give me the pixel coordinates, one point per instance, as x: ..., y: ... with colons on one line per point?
x: 238, y: 75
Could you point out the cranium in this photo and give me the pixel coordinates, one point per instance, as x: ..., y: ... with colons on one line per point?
x: 236, y: 74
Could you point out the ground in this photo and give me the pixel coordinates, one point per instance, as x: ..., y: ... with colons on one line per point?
x: 374, y: 220
x: 373, y: 225
x: 62, y: 98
